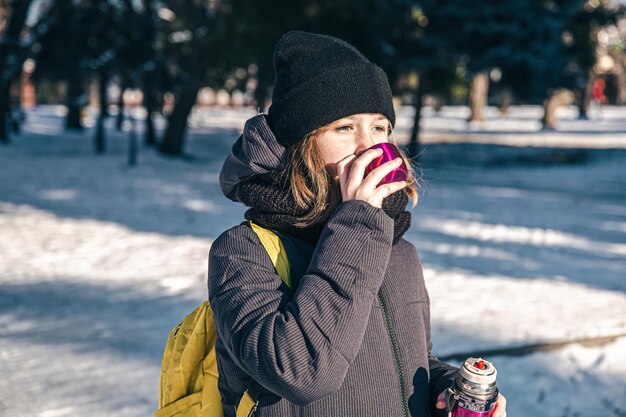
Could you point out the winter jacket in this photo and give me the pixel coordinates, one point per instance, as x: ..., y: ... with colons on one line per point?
x: 352, y: 338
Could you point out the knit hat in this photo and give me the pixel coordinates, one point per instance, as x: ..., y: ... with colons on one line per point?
x: 320, y: 79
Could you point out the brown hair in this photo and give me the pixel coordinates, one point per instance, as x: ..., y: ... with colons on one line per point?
x: 314, y: 190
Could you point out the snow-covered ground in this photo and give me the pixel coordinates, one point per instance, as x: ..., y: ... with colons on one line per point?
x: 98, y: 260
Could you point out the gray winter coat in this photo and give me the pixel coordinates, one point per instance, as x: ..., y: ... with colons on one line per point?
x: 353, y: 336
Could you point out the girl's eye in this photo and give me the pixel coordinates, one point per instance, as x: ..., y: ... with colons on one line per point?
x: 380, y: 129
x: 345, y: 128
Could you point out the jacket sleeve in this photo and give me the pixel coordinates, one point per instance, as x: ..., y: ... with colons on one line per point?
x: 441, y: 373
x: 300, y: 346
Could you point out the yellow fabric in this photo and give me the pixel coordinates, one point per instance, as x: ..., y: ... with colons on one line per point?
x: 189, y: 368
x: 276, y: 251
x: 247, y: 405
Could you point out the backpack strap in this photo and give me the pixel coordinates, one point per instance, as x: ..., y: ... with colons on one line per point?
x: 277, y: 253
x: 249, y: 400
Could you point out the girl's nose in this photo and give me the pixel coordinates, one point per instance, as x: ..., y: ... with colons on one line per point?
x: 365, y: 140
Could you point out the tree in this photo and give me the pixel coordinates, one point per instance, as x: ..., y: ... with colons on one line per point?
x: 212, y: 44
x: 554, y: 51
x: 152, y: 70
x: 196, y: 39
x: 103, y: 39
x: 519, y: 37
x: 416, y: 50
x: 525, y: 40
x: 61, y: 54
x: 581, y: 36
x: 11, y: 56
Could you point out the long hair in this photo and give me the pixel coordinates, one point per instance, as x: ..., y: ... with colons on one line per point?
x: 315, y: 191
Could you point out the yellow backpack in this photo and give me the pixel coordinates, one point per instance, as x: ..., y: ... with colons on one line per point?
x: 189, y: 369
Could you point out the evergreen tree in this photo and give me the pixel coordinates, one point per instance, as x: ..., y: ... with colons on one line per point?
x: 237, y: 33
x: 61, y: 51
x: 522, y: 38
x: 196, y: 40
x: 92, y: 37
x: 413, y: 49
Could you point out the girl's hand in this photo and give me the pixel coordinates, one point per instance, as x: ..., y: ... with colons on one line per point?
x: 499, y: 410
x: 351, y: 170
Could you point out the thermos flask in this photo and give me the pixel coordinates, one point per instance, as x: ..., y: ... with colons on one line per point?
x: 473, y: 392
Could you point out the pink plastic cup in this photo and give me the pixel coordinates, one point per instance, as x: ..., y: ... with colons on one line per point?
x: 389, y: 152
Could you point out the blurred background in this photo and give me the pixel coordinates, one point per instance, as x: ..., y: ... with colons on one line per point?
x: 115, y: 118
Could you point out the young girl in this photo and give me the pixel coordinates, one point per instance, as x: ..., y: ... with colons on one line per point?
x: 352, y: 336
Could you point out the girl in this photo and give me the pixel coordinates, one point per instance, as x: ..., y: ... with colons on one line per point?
x: 352, y: 336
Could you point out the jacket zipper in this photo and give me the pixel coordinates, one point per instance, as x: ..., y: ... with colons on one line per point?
x: 396, y: 352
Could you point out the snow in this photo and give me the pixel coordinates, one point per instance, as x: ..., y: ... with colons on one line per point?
x: 98, y: 261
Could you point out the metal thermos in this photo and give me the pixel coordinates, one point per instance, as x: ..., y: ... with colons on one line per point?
x: 473, y: 392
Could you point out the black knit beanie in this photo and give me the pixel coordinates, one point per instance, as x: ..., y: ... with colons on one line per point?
x: 320, y: 79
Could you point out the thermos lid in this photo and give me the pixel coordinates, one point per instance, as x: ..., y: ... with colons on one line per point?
x: 478, y: 371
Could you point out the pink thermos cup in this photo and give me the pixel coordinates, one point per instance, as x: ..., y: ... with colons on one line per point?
x: 473, y: 392
x: 389, y: 152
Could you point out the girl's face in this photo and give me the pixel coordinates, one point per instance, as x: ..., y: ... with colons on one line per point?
x: 351, y: 135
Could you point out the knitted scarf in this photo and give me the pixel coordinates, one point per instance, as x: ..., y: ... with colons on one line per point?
x: 273, y: 206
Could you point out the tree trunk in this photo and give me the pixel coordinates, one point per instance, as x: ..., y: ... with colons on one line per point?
x: 4, y: 110
x: 149, y: 77
x: 584, y: 101
x: 150, y: 103
x: 506, y: 97
x: 174, y: 138
x: 100, y: 140
x: 150, y: 138
x: 74, y: 101
x: 438, y: 105
x: 120, y: 106
x: 9, y: 48
x: 555, y: 100
x: 479, y: 89
x: 549, y: 109
x: 414, y: 145
x: 132, y: 142
x: 621, y: 82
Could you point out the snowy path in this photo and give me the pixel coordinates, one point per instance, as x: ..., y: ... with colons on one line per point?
x: 99, y: 261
